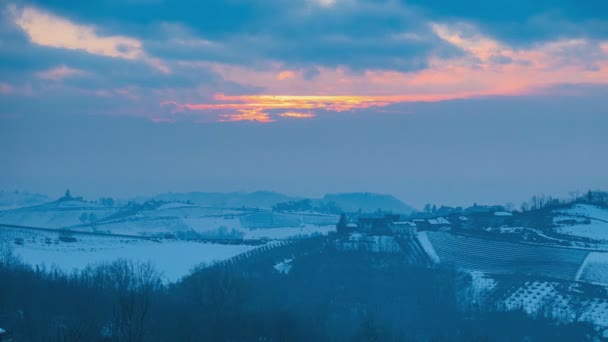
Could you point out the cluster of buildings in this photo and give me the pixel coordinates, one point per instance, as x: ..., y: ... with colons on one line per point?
x: 476, y: 217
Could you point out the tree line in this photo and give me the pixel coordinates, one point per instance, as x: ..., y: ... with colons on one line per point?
x: 326, y: 296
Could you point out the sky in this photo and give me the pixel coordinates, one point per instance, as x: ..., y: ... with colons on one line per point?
x: 432, y: 101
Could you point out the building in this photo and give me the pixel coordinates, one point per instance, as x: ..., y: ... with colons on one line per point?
x: 439, y: 223
x: 377, y: 224
x: 404, y: 228
x: 490, y: 219
x: 458, y: 221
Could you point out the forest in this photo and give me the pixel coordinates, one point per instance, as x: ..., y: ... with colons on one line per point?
x: 325, y: 296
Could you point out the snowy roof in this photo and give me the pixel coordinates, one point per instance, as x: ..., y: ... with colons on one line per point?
x: 442, y: 220
x: 463, y: 218
x: 2, y: 331
x: 503, y: 213
x: 351, y: 225
x: 404, y: 223
x: 439, y: 220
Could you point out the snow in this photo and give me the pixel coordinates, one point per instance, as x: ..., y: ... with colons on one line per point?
x: 442, y: 220
x: 503, y: 213
x: 404, y: 223
x: 284, y: 267
x: 54, y: 215
x: 289, y: 232
x: 428, y: 247
x: 536, y: 296
x: 595, y: 230
x: 587, y: 210
x: 595, y: 268
x: 481, y: 286
x: 590, y: 221
x: 19, y: 199
x: 174, y: 205
x: 481, y: 281
x: 173, y: 258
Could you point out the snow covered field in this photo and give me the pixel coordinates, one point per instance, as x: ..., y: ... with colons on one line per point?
x: 174, y: 259
x: 596, y: 268
x: 173, y: 218
x: 583, y: 220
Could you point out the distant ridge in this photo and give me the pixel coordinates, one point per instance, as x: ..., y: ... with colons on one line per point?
x: 349, y: 202
x: 18, y: 199
x: 368, y: 202
x: 258, y: 199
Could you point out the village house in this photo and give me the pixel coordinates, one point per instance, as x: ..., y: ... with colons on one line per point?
x: 439, y: 223
x: 377, y: 224
x: 458, y: 221
x: 404, y: 228
x: 490, y: 219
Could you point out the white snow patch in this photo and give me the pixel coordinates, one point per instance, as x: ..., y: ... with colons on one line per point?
x: 590, y: 221
x: 428, y: 247
x: 284, y: 267
x: 586, y: 210
x: 596, y: 268
x: 595, y: 230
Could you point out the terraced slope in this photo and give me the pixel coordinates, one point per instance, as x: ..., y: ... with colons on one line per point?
x: 501, y: 257
x: 414, y: 252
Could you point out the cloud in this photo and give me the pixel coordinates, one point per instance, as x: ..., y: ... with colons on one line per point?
x: 280, y: 60
x: 259, y: 107
x: 285, y: 75
x: 49, y: 30
x: 487, y: 68
x: 60, y: 73
x: 297, y: 115
x: 325, y: 3
x: 6, y: 88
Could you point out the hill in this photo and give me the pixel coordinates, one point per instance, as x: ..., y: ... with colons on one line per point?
x: 368, y: 202
x: 582, y: 220
x: 258, y: 199
x: 19, y: 199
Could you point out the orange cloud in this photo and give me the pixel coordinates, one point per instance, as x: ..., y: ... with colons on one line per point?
x: 488, y: 68
x: 285, y: 75
x: 254, y: 114
x: 297, y: 115
x: 6, y: 88
x: 256, y: 107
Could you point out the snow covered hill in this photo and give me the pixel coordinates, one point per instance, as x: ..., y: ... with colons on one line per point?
x: 18, y: 199
x: 258, y: 199
x: 173, y: 258
x: 63, y: 213
x: 583, y: 220
x: 178, y: 219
